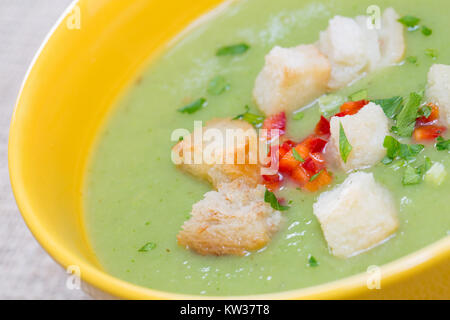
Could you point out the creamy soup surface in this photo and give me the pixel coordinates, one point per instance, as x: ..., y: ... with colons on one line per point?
x: 134, y: 195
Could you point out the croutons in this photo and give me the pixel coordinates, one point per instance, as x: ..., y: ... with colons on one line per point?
x: 365, y: 131
x: 344, y: 44
x: 231, y: 221
x: 438, y: 90
x: 391, y: 38
x: 291, y: 78
x: 219, y: 163
x: 357, y: 215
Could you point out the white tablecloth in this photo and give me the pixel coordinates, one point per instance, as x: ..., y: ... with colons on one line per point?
x: 26, y: 271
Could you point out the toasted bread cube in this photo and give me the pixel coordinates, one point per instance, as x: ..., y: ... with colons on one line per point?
x: 438, y: 90
x: 231, y: 221
x: 357, y: 215
x: 215, y: 165
x: 372, y: 43
x: 392, y: 38
x: 344, y: 44
x: 365, y: 131
x: 291, y: 78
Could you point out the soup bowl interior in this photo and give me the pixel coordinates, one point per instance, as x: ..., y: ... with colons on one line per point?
x: 92, y: 55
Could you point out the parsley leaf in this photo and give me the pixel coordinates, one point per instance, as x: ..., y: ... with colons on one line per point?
x: 344, y: 146
x: 312, y: 262
x: 194, y: 106
x: 432, y: 53
x: 412, y: 59
x: 409, y: 21
x: 297, y: 156
x: 411, y: 176
x: 254, y: 119
x: 426, y: 31
x: 217, y: 86
x: 270, y: 198
x: 314, y: 177
x: 233, y: 50
x: 148, y: 247
x: 391, y: 106
x: 396, y: 149
x: 442, y: 144
x: 406, y: 119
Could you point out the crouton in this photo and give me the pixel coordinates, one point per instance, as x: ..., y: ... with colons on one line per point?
x: 392, y: 38
x: 371, y: 42
x: 357, y: 215
x: 365, y: 131
x: 217, y: 161
x: 438, y: 90
x: 231, y: 221
x: 291, y: 78
x: 344, y: 44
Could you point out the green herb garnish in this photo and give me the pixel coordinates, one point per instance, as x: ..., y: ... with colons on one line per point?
x: 148, y: 247
x: 298, y: 116
x: 406, y: 119
x: 344, y: 146
x: 233, y: 50
x: 312, y: 262
x: 425, y: 111
x: 432, y: 53
x: 411, y: 176
x: 270, y: 198
x: 314, y: 177
x: 254, y: 119
x: 391, y: 106
x: 359, y: 95
x: 297, y: 156
x: 217, y: 86
x: 194, y: 106
x: 409, y: 21
x: 395, y: 149
x: 412, y: 60
x: 442, y: 144
x: 426, y: 31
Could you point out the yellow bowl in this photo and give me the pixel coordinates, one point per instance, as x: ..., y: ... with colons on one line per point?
x: 91, y: 56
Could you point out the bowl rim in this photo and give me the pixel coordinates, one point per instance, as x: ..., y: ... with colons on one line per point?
x: 393, y: 272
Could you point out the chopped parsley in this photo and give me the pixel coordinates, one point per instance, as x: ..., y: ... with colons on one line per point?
x: 395, y: 149
x: 148, y: 247
x: 270, y: 198
x: 411, y: 176
x: 409, y: 21
x: 425, y: 111
x: 412, y: 60
x: 297, y: 156
x: 314, y: 177
x: 344, y: 146
x: 254, y: 119
x: 442, y: 144
x: 233, y: 50
x: 194, y: 106
x: 391, y: 106
x: 298, y: 116
x: 432, y: 53
x: 359, y: 95
x: 312, y: 262
x: 218, y: 85
x: 426, y: 31
x: 406, y: 119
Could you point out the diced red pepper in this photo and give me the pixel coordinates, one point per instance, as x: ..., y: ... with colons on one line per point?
x: 431, y: 119
x: 351, y: 107
x: 300, y: 176
x: 277, y: 121
x: 322, y: 180
x: 427, y: 133
x: 322, y: 127
x: 314, y: 144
